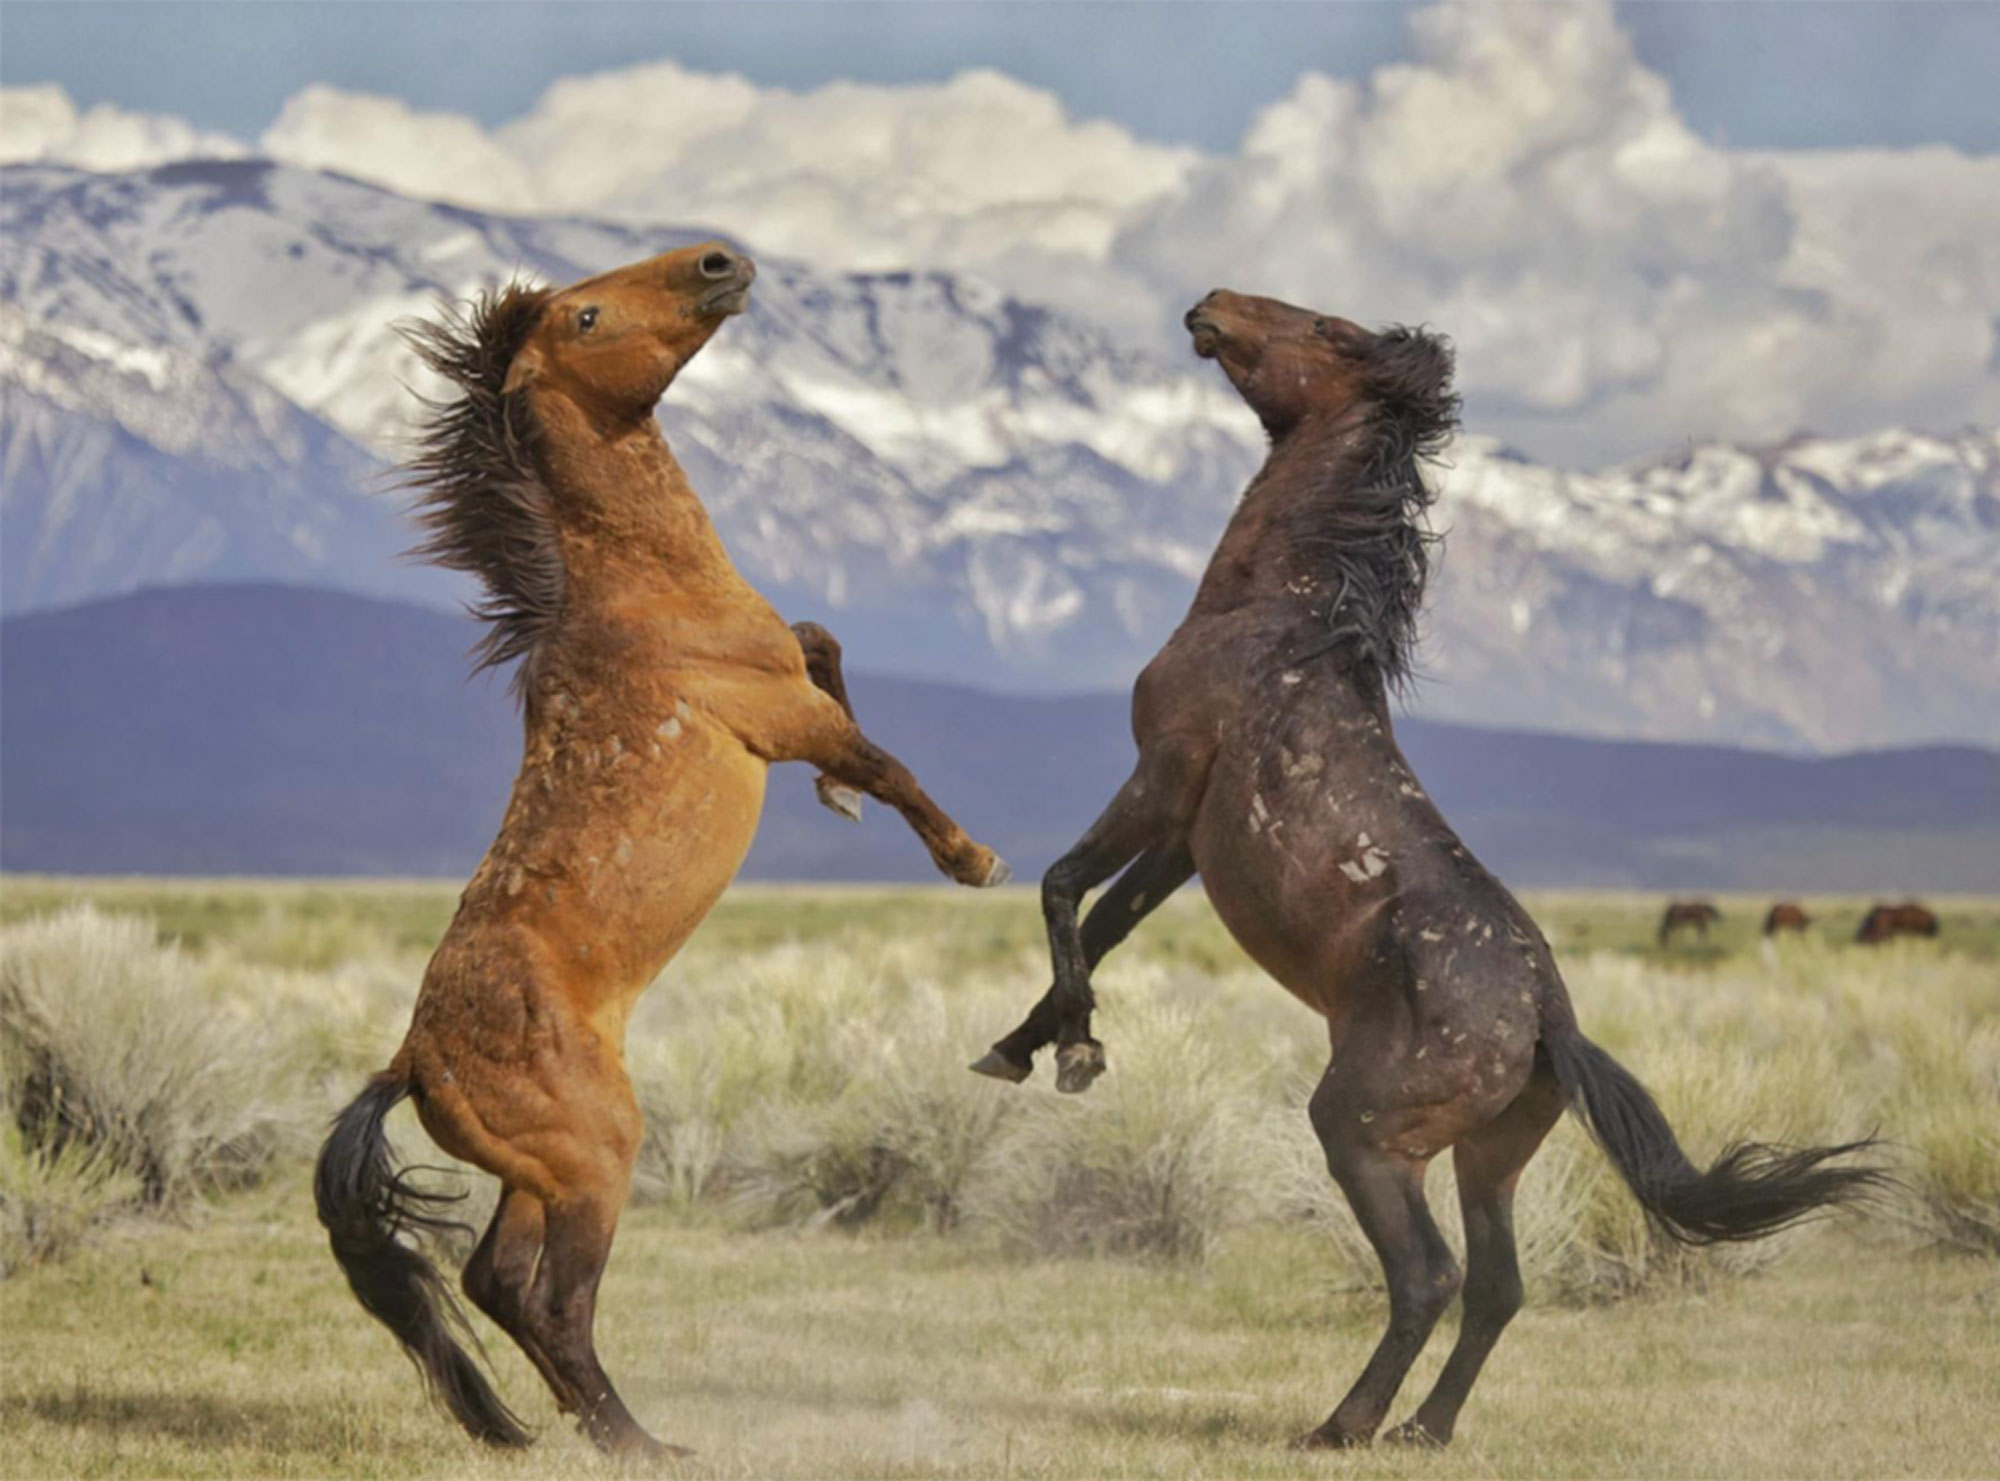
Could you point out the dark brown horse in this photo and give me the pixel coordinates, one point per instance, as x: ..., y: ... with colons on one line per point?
x: 658, y: 688
x: 1695, y: 915
x: 1268, y: 763
x: 1786, y: 915
x: 1886, y: 921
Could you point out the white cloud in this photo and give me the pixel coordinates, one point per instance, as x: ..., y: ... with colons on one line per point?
x: 433, y: 156
x: 957, y: 174
x: 41, y: 123
x: 1615, y: 283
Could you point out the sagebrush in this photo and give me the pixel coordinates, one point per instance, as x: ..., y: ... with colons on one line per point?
x: 821, y: 1081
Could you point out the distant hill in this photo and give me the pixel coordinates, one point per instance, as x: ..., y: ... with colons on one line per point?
x: 272, y: 729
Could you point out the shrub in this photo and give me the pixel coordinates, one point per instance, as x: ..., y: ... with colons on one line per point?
x: 115, y: 1058
x: 1159, y: 1159
x: 51, y: 1200
x: 908, y: 1130
x: 1946, y: 1113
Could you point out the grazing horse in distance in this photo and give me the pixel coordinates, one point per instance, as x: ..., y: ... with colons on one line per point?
x: 1269, y: 765
x: 1786, y: 915
x: 658, y: 688
x: 1697, y: 915
x: 1885, y: 921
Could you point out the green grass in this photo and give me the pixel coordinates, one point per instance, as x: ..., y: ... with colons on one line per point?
x: 805, y: 1026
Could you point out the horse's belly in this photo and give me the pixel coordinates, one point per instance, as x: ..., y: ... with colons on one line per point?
x: 1298, y: 860
x: 1258, y: 888
x: 659, y: 877
x: 609, y: 869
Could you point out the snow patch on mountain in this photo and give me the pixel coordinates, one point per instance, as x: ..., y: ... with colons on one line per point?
x: 202, y: 376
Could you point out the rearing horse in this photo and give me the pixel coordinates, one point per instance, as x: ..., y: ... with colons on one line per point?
x: 658, y: 687
x: 1267, y: 762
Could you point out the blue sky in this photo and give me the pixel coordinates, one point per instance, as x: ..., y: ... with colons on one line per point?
x: 1793, y: 75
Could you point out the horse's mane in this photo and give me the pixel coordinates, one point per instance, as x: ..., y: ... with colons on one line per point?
x: 481, y: 503
x: 1366, y: 531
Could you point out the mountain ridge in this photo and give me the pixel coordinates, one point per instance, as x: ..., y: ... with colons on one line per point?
x: 975, y: 484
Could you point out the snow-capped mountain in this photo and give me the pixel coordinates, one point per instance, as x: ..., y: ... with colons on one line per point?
x: 1827, y: 592
x: 201, y: 379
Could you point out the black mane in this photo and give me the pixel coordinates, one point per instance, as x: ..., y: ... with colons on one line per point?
x: 482, y: 505
x: 1365, y: 536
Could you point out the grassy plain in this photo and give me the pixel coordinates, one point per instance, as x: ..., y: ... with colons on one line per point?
x: 787, y: 1320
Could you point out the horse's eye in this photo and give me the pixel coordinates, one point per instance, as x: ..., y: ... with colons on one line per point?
x: 586, y: 320
x: 1320, y: 326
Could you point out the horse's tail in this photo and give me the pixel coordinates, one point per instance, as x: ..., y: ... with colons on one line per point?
x: 1753, y: 1188
x: 365, y: 1205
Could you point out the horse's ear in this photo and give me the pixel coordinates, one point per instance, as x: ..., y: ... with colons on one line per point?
x: 526, y: 366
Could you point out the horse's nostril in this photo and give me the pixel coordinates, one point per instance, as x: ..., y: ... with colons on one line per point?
x: 717, y: 265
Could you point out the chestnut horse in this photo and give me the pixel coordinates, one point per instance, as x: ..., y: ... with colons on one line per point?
x: 658, y: 687
x: 1697, y: 915
x: 1786, y: 915
x: 1268, y: 763
x: 1886, y: 921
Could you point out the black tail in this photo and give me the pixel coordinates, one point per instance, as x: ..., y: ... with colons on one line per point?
x: 365, y: 1205
x: 1752, y: 1190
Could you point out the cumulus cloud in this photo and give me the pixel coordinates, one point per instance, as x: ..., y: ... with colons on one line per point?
x: 433, y: 156
x: 42, y: 123
x: 1615, y: 282
x: 955, y: 174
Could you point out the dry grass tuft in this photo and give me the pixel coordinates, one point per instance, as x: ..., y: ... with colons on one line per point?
x: 821, y: 1081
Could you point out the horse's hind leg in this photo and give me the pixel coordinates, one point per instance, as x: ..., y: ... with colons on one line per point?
x: 501, y: 1273
x: 537, y: 1268
x: 1386, y: 1191
x: 1489, y: 1163
x: 562, y: 1311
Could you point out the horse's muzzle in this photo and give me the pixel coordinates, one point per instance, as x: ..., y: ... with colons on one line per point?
x: 732, y: 273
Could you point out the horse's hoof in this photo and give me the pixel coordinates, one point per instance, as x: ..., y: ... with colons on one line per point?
x: 837, y: 798
x: 642, y: 1449
x: 1326, y: 1437
x: 1414, y: 1435
x: 999, y: 874
x: 1077, y: 1065
x: 997, y: 1066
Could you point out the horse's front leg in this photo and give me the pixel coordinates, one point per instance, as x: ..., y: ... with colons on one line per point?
x: 822, y: 651
x: 809, y: 725
x: 1133, y: 896
x: 1155, y: 807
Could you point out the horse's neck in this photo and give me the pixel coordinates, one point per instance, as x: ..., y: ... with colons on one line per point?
x: 647, y: 586
x: 1258, y: 555
x: 630, y: 526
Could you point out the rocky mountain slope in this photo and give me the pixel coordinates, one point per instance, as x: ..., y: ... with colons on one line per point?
x: 200, y: 380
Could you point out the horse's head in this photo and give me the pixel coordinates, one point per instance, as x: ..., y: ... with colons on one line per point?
x: 615, y: 342
x: 1291, y: 364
